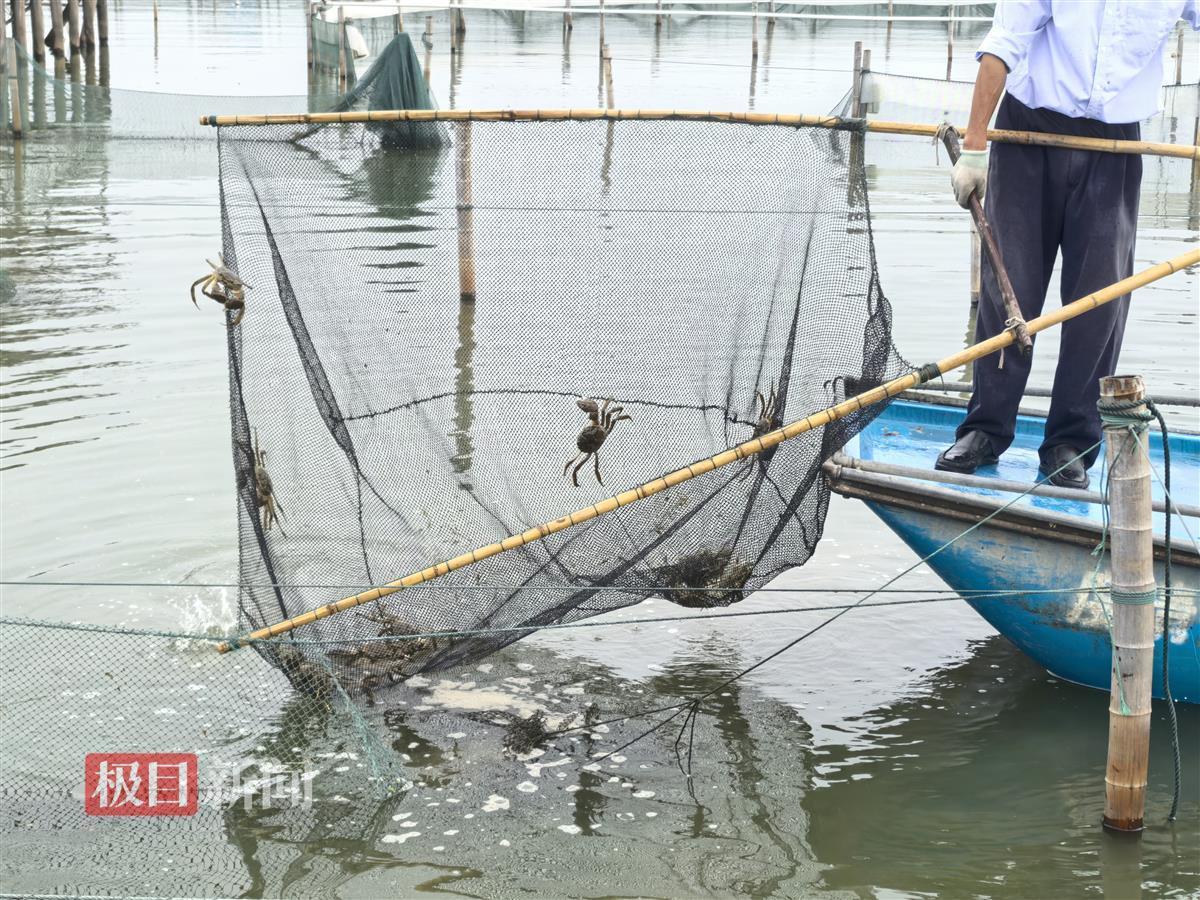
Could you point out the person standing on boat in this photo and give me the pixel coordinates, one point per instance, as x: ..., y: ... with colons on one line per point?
x: 1079, y: 67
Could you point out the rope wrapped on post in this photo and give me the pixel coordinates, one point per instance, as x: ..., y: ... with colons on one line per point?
x: 742, y: 451
x: 1105, y: 145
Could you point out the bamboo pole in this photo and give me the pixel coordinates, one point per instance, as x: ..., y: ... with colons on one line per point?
x: 754, y: 34
x: 14, y: 88
x: 453, y: 34
x: 658, y: 15
x: 399, y: 22
x: 102, y: 22
x: 950, y: 42
x: 791, y: 120
x: 976, y: 265
x: 734, y: 454
x: 1008, y: 297
x: 341, y: 33
x: 1133, y: 593
x: 608, y: 78
x: 57, y: 42
x: 568, y: 23
x: 308, y: 30
x: 466, y: 214
x: 602, y: 28
x: 75, y: 29
x: 427, y: 40
x: 460, y: 20
x: 770, y: 17
x: 856, y: 83
x: 1179, y: 53
x: 88, y: 38
x: 38, y: 28
x: 19, y: 35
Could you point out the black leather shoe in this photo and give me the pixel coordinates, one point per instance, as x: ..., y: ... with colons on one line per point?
x: 968, y: 453
x: 1073, y: 476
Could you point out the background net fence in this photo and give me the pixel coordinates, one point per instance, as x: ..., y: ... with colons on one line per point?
x: 711, y: 280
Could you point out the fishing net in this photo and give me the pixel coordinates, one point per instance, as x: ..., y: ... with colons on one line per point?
x: 707, y: 280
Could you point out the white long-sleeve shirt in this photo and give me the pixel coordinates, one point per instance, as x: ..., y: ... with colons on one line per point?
x: 1098, y: 59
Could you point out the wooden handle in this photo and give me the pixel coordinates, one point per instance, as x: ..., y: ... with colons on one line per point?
x: 1008, y: 297
x: 734, y: 454
x: 1104, y: 145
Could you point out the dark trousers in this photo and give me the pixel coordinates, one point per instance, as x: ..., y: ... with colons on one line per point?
x: 1038, y: 200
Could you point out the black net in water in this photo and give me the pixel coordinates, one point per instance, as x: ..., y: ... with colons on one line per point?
x: 423, y: 321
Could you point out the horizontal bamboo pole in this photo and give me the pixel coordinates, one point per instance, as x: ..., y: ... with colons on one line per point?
x: 732, y: 455
x: 1043, y: 139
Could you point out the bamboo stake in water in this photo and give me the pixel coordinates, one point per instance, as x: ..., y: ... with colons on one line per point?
x: 856, y: 83
x: 75, y: 29
x: 309, y: 11
x: 102, y: 25
x: 57, y: 40
x: 341, y: 39
x: 754, y: 35
x: 88, y: 38
x: 1179, y: 53
x: 734, y: 454
x: 792, y: 120
x: 466, y: 214
x: 20, y: 37
x: 1133, y: 588
x: 39, y: 30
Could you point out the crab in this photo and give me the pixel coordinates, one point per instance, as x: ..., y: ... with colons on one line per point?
x: 767, y: 412
x: 264, y: 490
x: 591, y: 439
x: 308, y: 677
x: 383, y: 662
x: 225, y: 286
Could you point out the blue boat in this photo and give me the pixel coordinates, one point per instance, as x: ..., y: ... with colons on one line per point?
x: 1041, y: 546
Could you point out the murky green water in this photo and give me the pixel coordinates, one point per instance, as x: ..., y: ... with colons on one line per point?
x: 905, y: 751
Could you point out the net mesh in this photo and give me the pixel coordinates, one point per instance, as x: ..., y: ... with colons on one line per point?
x: 709, y: 280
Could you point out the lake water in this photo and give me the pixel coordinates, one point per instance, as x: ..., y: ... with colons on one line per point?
x: 903, y: 752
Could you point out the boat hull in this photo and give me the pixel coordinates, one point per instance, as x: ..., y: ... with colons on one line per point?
x: 1055, y: 619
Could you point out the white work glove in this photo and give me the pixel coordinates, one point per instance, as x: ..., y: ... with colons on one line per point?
x: 969, y: 176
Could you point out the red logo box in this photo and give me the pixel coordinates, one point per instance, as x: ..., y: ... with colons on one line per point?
x: 140, y: 784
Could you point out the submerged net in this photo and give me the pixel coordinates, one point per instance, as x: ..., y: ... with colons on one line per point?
x: 711, y: 280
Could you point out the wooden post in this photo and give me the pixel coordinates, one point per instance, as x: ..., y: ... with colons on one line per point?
x: 950, y: 43
x: 770, y: 16
x: 427, y: 40
x: 1179, y: 53
x: 89, y: 24
x: 856, y: 83
x: 102, y: 22
x: 754, y: 34
x: 658, y: 14
x: 308, y: 30
x: 399, y: 22
x: 608, y: 78
x: 57, y: 41
x: 460, y: 20
x: 14, y: 89
x: 75, y: 31
x: 466, y: 214
x: 453, y: 33
x: 38, y: 26
x: 568, y: 22
x: 20, y: 37
x: 601, y: 35
x: 1133, y: 594
x: 341, y: 35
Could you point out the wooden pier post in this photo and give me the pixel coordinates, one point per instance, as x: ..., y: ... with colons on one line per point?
x: 1133, y: 593
x: 14, y: 89
x: 75, y: 30
x: 466, y: 214
x: 341, y: 34
x: 754, y: 34
x: 856, y: 82
x: 102, y: 22
x: 38, y: 26
x: 427, y: 40
x: 308, y: 31
x: 1179, y: 53
x: 57, y: 40
x: 88, y: 38
x: 20, y: 36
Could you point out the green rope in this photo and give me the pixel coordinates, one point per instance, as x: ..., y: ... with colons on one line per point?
x: 1134, y: 598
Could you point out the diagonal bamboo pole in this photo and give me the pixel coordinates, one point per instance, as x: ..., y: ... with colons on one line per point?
x: 734, y: 454
x: 1043, y: 139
